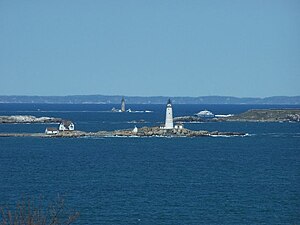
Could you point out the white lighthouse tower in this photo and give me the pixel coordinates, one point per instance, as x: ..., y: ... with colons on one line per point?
x: 169, y: 116
x: 123, y: 105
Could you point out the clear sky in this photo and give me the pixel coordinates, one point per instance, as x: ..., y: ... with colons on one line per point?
x: 150, y: 47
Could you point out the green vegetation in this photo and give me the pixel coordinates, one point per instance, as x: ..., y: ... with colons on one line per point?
x: 27, y: 212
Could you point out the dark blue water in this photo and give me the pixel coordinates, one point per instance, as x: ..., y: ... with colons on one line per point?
x: 236, y: 180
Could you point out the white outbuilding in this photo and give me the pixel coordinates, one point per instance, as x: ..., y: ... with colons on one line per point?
x: 135, y: 130
x: 51, y: 130
x: 178, y: 126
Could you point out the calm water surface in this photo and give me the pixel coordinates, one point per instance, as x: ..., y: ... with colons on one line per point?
x: 236, y: 180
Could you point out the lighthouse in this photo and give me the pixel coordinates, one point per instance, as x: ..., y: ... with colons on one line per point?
x: 169, y: 116
x: 123, y: 105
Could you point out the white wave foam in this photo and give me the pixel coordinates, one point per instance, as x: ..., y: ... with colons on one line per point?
x: 224, y: 115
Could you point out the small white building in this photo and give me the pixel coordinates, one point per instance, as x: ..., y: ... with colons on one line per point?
x: 135, y: 130
x: 178, y: 126
x: 51, y: 130
x: 66, y: 125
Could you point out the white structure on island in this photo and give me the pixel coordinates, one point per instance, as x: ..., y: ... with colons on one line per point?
x: 123, y: 109
x: 66, y: 125
x: 169, y: 117
x: 205, y: 113
x: 135, y: 130
x: 178, y: 126
x: 51, y: 130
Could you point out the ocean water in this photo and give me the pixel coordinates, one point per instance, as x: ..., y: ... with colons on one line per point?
x: 207, y: 180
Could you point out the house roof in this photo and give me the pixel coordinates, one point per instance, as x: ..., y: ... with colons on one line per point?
x: 51, y: 129
x: 66, y: 122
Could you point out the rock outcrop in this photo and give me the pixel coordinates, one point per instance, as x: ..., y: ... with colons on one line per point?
x: 189, y: 119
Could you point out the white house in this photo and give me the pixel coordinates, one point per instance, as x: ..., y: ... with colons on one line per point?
x: 51, y: 130
x: 66, y: 125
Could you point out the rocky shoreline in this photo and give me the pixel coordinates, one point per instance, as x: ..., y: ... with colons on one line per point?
x: 157, y: 131
x: 142, y: 132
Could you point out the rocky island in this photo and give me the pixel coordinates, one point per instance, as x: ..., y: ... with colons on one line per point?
x: 182, y: 132
x: 253, y: 115
x: 28, y: 119
x: 266, y: 115
x: 141, y: 132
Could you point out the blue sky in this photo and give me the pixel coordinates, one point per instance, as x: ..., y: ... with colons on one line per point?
x: 150, y: 47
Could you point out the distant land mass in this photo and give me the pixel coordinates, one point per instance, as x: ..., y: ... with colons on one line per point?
x: 116, y: 99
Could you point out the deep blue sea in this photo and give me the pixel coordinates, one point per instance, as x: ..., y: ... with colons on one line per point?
x: 205, y: 180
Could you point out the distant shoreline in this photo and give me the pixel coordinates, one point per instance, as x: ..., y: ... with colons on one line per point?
x: 94, y: 103
x: 116, y: 99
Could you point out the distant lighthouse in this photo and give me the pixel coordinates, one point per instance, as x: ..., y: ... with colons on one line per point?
x: 169, y: 116
x: 123, y: 105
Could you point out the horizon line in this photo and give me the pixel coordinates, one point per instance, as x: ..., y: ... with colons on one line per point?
x: 149, y: 96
